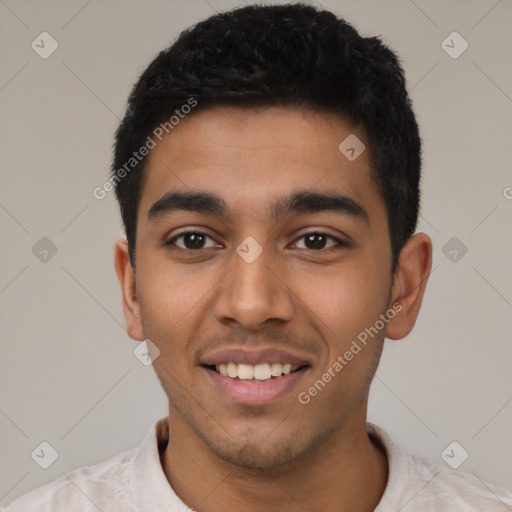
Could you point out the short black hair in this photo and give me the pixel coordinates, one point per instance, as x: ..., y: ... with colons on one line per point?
x: 278, y: 55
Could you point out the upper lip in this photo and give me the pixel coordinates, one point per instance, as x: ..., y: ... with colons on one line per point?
x: 253, y: 357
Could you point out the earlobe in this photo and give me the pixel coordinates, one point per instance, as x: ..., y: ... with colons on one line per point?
x: 409, y: 283
x: 131, y: 305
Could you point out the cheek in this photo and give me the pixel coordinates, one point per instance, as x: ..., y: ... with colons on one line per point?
x: 343, y: 304
x: 344, y: 298
x: 172, y: 298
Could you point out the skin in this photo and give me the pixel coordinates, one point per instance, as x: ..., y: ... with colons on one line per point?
x: 313, y: 299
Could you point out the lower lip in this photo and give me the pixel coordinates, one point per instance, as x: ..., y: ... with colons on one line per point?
x: 254, y: 393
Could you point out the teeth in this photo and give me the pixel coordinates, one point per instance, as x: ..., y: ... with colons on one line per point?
x: 276, y: 369
x: 245, y: 371
x: 263, y: 371
x: 232, y: 370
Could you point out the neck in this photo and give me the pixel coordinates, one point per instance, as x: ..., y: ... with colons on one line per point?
x: 347, y: 472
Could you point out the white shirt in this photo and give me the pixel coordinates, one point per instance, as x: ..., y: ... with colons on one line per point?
x: 134, y: 481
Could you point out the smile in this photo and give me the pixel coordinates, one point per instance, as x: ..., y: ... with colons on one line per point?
x: 255, y: 376
x: 251, y: 389
x: 258, y: 372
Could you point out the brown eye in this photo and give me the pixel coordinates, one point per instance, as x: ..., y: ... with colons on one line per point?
x: 315, y: 241
x: 319, y: 241
x: 192, y: 241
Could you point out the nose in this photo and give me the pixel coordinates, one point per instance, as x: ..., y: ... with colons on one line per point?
x: 253, y: 293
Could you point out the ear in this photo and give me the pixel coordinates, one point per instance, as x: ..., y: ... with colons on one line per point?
x: 409, y: 283
x: 131, y: 305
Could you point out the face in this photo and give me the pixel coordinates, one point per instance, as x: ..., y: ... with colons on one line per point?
x: 278, y: 266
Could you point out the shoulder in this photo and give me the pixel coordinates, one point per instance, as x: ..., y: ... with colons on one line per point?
x: 458, y: 489
x: 100, y: 486
x: 422, y: 484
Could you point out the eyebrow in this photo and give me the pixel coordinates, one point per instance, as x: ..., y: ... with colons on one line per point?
x: 297, y: 203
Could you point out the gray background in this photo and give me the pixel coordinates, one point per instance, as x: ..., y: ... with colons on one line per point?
x: 68, y: 375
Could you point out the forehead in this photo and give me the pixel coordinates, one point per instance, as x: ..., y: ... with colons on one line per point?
x: 252, y: 158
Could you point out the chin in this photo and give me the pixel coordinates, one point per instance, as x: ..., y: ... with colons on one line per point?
x: 260, y: 448
x: 257, y: 455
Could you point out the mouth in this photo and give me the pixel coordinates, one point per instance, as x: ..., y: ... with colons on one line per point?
x: 262, y: 372
x: 254, y: 377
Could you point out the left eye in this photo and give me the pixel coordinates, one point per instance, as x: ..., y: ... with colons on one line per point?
x: 192, y: 241
x: 318, y: 241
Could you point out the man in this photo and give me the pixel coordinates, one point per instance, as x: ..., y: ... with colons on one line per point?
x: 267, y: 171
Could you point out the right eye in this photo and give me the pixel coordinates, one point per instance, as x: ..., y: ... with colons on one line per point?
x: 192, y: 241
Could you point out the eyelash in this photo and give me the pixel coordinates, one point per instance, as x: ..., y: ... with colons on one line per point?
x: 171, y: 242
